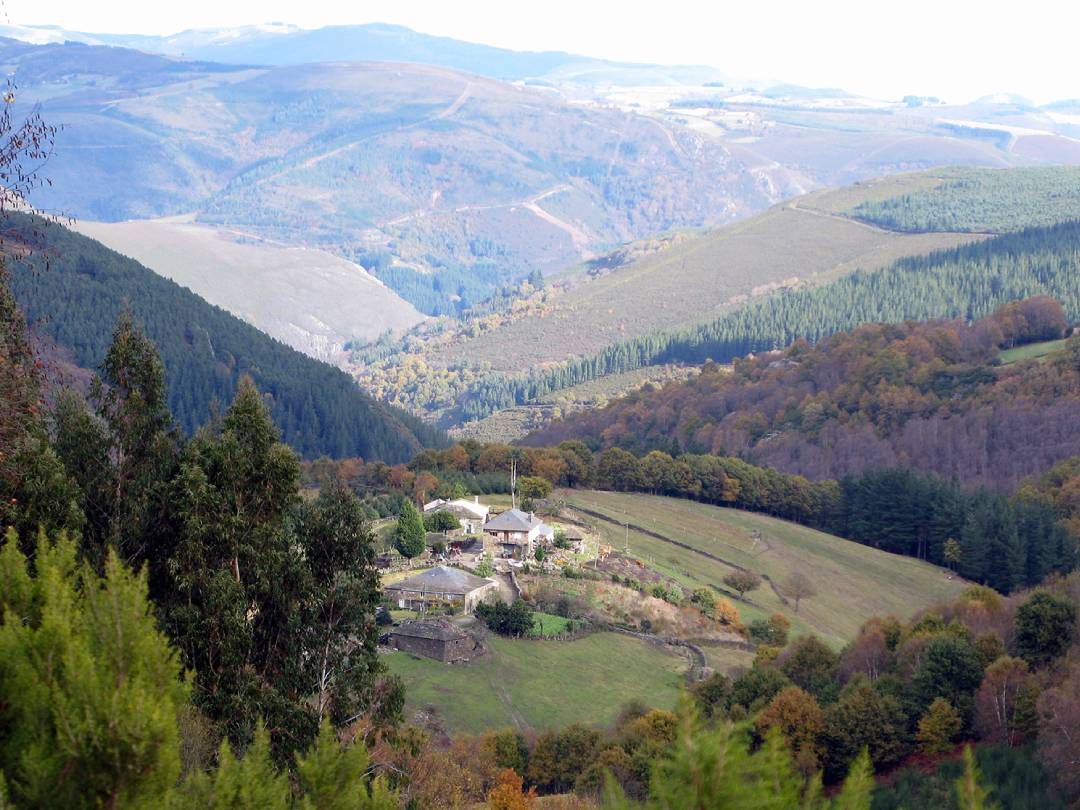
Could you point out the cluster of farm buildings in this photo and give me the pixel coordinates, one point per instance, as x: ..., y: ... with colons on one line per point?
x: 508, y: 539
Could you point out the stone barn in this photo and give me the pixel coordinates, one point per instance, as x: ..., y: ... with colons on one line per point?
x: 440, y: 640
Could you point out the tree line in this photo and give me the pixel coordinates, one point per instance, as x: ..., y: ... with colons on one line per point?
x: 982, y: 200
x: 981, y: 668
x: 267, y: 599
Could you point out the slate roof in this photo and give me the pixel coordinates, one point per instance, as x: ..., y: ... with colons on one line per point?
x: 573, y: 533
x: 440, y: 631
x: 441, y: 579
x: 512, y: 520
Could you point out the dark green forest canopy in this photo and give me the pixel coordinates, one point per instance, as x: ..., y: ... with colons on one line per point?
x: 982, y: 201
x: 319, y: 409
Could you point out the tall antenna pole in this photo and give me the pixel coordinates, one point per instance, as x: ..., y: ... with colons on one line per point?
x: 513, y: 483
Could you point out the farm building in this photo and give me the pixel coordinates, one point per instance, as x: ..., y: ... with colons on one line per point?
x: 440, y: 640
x: 472, y: 514
x: 514, y: 533
x: 575, y: 537
x: 441, y: 586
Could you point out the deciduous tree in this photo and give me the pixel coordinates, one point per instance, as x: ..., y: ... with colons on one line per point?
x: 1045, y: 625
x: 743, y: 582
x: 799, y: 586
x: 939, y: 726
x: 1005, y: 703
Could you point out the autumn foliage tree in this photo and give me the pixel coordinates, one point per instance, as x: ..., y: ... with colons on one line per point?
x: 798, y: 717
x: 1059, y: 718
x: 1005, y: 704
x: 939, y: 726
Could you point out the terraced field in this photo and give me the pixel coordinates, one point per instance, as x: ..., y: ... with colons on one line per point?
x: 702, y: 543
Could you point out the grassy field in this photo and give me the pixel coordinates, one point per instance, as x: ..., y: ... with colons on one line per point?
x: 541, y: 684
x: 548, y: 624
x: 693, y: 280
x: 854, y: 582
x: 725, y: 659
x: 1032, y: 351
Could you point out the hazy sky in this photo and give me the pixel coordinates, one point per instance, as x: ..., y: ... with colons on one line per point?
x: 954, y: 49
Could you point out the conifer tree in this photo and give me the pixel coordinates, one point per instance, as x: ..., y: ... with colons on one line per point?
x: 236, y: 576
x: 90, y: 688
x: 409, y: 536
x: 35, y: 490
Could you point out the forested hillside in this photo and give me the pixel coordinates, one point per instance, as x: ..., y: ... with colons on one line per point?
x: 77, y: 298
x: 981, y: 200
x: 964, y: 282
x: 926, y: 395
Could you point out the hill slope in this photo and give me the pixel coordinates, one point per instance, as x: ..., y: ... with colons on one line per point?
x: 661, y: 285
x: 854, y: 582
x: 694, y: 279
x: 76, y: 300
x: 312, y: 300
x: 446, y: 183
x: 404, y: 167
x: 280, y: 44
x: 930, y: 396
x: 967, y: 281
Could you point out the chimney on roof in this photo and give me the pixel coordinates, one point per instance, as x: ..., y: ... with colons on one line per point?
x: 531, y: 516
x: 476, y: 499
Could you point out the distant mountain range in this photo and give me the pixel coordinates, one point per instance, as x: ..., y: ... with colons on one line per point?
x: 283, y: 44
x: 447, y: 168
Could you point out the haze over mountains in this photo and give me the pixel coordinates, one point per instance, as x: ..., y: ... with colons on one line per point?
x: 450, y: 178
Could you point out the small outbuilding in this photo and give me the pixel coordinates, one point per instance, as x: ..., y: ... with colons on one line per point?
x: 441, y: 586
x: 575, y: 537
x: 440, y: 640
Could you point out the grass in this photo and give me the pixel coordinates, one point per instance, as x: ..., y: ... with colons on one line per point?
x: 1032, y: 351
x: 541, y: 684
x: 854, y: 582
x: 548, y: 624
x: 724, y: 659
